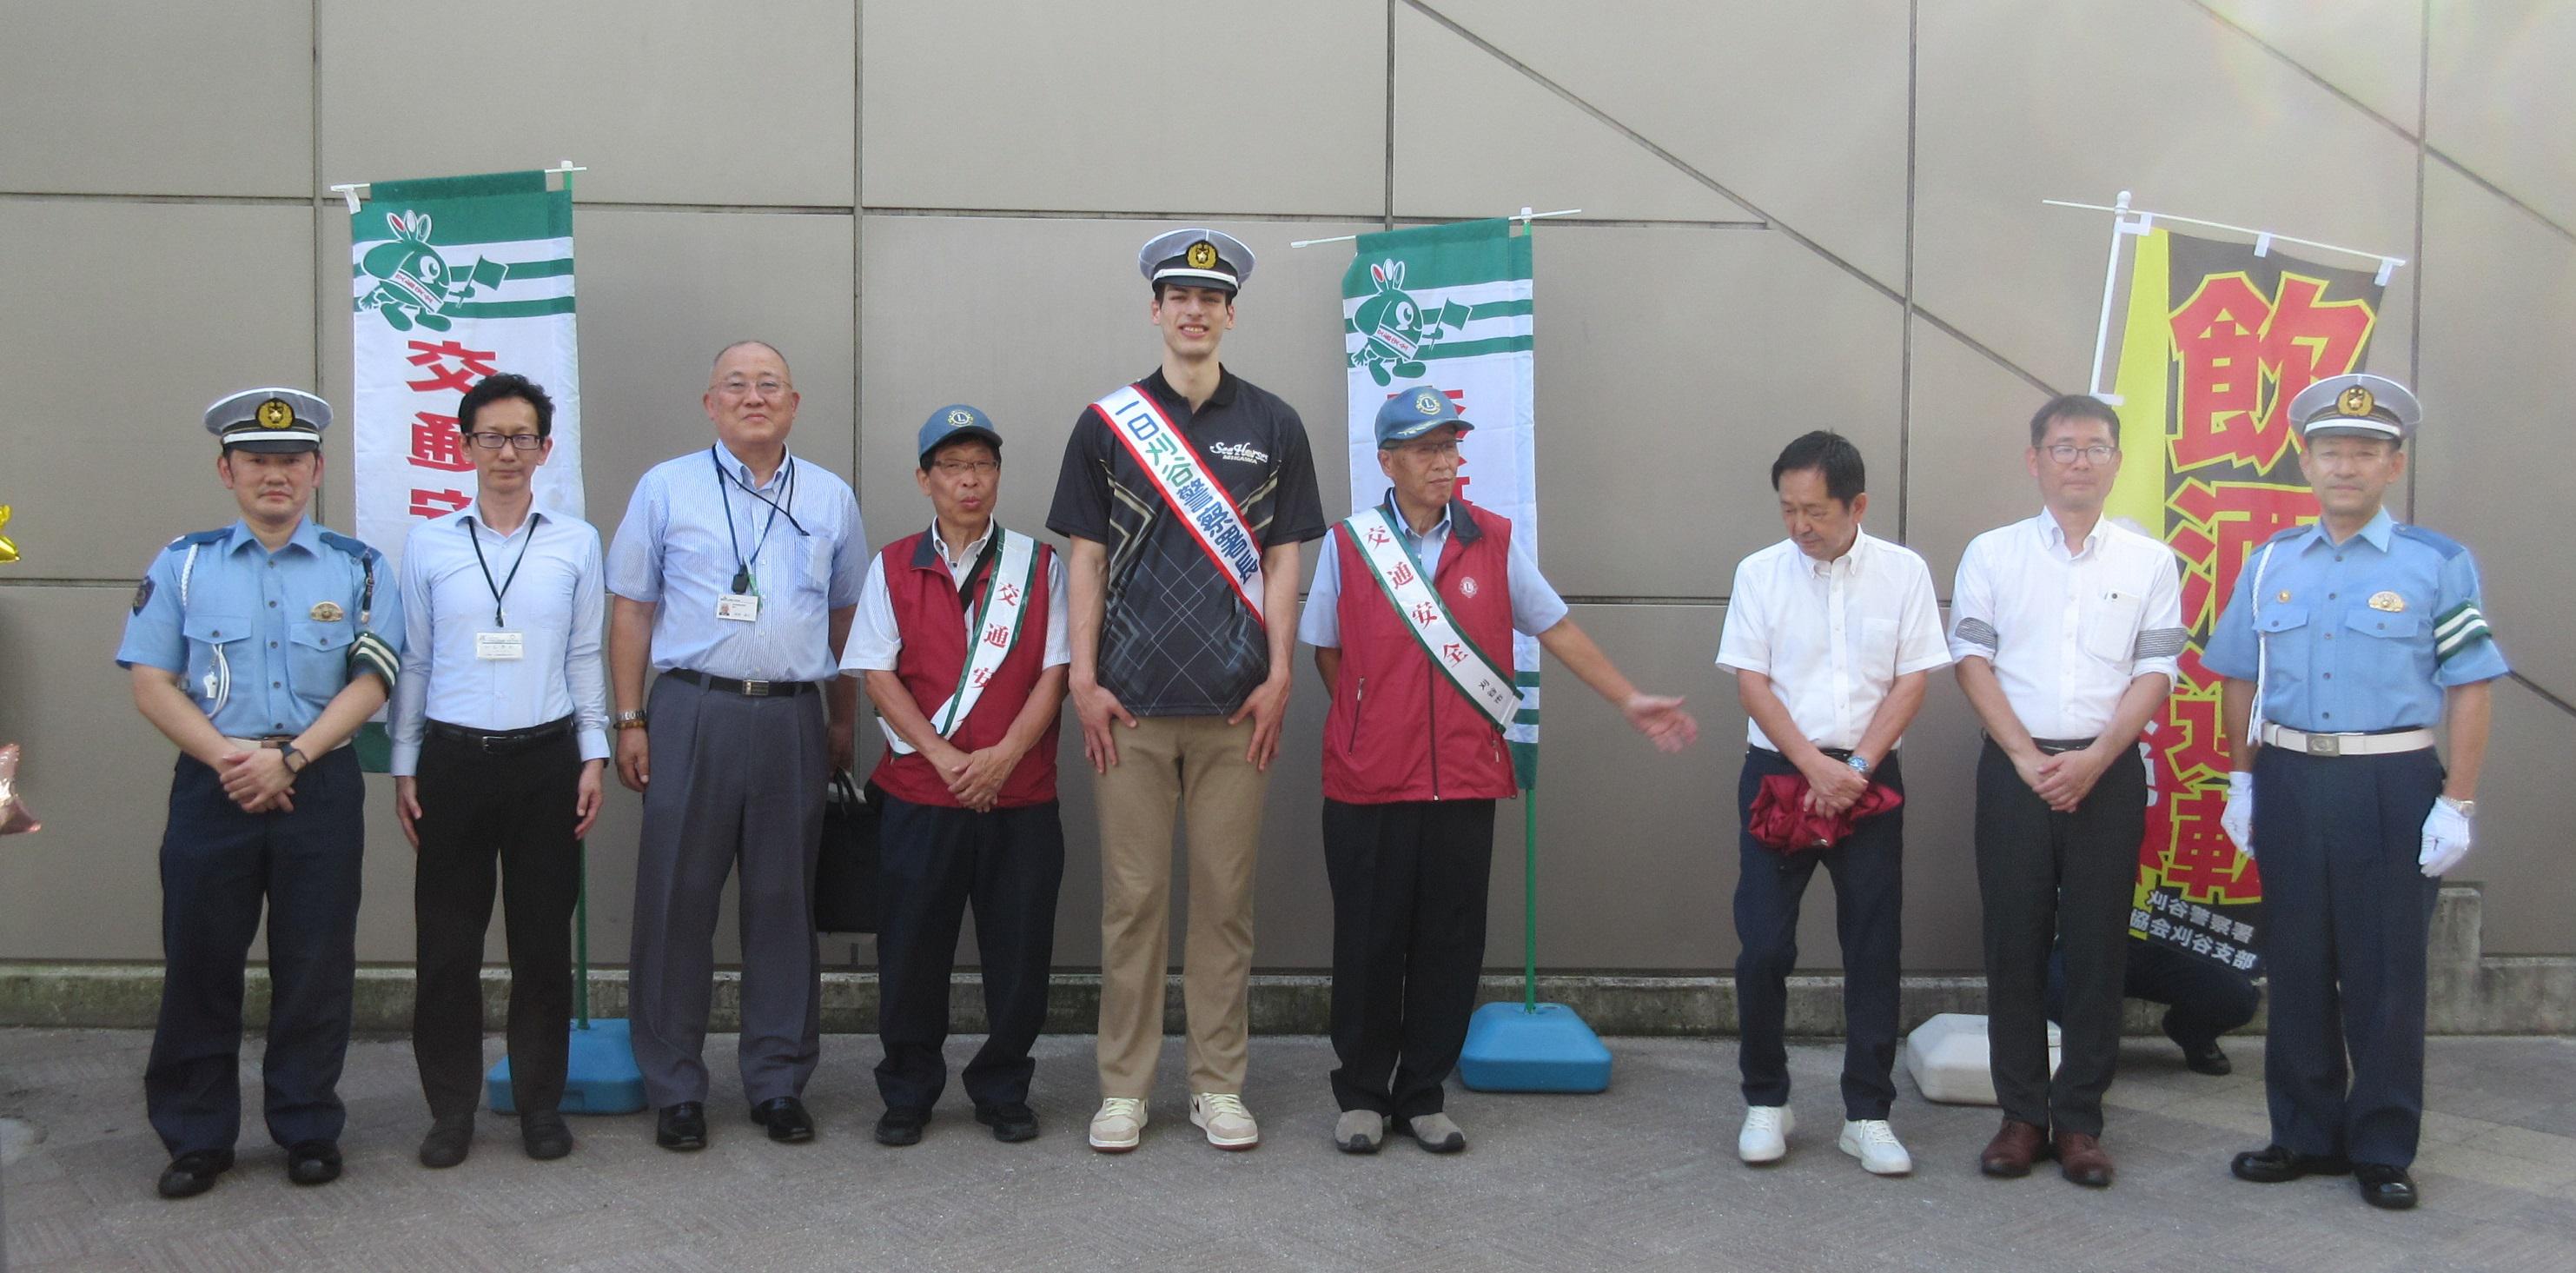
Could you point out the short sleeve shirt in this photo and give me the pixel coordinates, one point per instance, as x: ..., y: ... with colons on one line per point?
x: 1176, y: 640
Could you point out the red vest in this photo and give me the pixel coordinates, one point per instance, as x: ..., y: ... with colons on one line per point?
x: 931, y: 619
x: 1398, y: 729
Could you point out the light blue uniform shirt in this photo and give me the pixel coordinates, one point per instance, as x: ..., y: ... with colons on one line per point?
x: 260, y: 639
x: 550, y: 577
x: 1535, y: 605
x: 673, y: 551
x: 2363, y: 635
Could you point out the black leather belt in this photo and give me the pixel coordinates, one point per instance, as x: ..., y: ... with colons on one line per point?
x: 496, y: 741
x: 748, y: 689
x: 2059, y: 746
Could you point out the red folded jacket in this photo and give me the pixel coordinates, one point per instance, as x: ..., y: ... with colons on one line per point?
x: 1782, y: 822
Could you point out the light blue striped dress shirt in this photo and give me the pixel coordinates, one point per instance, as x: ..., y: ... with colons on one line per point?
x: 674, y: 551
x: 556, y: 602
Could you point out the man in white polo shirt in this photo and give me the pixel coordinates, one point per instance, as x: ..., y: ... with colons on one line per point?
x: 1832, y: 636
x: 2065, y: 627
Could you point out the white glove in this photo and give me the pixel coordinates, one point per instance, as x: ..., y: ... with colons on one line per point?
x: 2237, y: 819
x: 2446, y: 839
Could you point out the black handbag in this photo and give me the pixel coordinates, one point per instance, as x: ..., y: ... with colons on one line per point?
x: 845, y: 874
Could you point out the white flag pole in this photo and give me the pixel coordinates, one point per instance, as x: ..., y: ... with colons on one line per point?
x: 1524, y: 216
x: 356, y: 191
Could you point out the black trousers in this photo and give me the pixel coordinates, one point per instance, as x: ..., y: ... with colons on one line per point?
x: 935, y: 862
x: 219, y: 867
x: 2050, y: 879
x: 510, y: 816
x: 1409, y: 881
x: 1868, y: 869
x: 2346, y: 915
x: 2203, y: 998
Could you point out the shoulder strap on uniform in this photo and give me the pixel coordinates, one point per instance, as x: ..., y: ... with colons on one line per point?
x: 368, y: 652
x: 2432, y: 539
x: 200, y: 537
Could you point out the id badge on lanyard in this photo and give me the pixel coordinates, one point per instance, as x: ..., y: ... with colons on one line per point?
x: 500, y: 646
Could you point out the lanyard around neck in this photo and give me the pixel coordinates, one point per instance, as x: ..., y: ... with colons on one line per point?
x: 742, y: 576
x: 472, y: 536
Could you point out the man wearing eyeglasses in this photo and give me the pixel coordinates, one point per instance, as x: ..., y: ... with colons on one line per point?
x: 500, y: 731
x: 735, y: 572
x: 960, y: 637
x: 2065, y: 627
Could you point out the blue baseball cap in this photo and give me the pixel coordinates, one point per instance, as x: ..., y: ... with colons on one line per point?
x: 1412, y: 412
x: 950, y: 422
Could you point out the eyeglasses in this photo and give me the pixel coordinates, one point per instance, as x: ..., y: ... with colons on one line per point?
x: 1430, y: 449
x: 960, y: 468
x: 2065, y: 452
x: 739, y: 388
x: 514, y: 441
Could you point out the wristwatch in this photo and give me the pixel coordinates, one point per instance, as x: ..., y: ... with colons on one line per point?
x: 2464, y: 808
x: 1859, y: 764
x: 627, y: 720
x: 295, y: 761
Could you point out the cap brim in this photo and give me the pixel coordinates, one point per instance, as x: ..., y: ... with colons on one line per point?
x: 274, y: 446
x: 967, y: 433
x: 1198, y: 278
x: 1460, y: 424
x: 2353, y: 429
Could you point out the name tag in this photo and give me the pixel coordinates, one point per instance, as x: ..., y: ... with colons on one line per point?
x: 739, y: 607
x: 500, y: 645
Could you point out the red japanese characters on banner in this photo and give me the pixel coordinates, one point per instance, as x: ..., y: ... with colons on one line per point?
x: 450, y: 369
x: 2241, y: 336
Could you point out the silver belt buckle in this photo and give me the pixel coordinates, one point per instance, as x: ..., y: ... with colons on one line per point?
x: 2324, y: 745
x: 755, y: 689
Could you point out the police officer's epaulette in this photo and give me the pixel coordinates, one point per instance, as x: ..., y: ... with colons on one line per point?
x: 354, y: 547
x: 2292, y: 533
x: 2435, y: 540
x: 201, y: 537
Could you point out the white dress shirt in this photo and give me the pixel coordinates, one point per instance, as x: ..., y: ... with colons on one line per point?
x: 875, y: 641
x: 806, y: 560
x: 1831, y: 636
x: 555, y: 602
x: 2067, y: 630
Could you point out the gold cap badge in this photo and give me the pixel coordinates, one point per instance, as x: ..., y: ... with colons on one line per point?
x: 2356, y: 401
x: 1202, y: 255
x: 275, y: 414
x: 328, y: 612
x: 2388, y: 601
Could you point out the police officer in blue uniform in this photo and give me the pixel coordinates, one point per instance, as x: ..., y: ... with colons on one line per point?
x: 2352, y: 641
x: 259, y: 649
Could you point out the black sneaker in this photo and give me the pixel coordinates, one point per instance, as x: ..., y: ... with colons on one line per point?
x: 901, y: 1125
x: 449, y: 1140
x: 194, y: 1172
x: 1011, y: 1123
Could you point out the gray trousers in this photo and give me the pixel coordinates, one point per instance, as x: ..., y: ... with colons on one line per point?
x: 733, y: 778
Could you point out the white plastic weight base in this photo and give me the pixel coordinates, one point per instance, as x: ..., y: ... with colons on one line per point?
x: 1949, y: 1060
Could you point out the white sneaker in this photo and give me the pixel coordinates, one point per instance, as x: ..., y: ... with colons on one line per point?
x: 1765, y: 1137
x: 1874, y: 1143
x: 1222, y: 1116
x: 1118, y: 1125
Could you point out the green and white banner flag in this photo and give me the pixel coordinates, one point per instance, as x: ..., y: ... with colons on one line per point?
x: 1449, y: 305
x: 453, y: 279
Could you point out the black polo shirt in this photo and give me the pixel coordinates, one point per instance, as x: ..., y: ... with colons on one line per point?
x: 1176, y: 641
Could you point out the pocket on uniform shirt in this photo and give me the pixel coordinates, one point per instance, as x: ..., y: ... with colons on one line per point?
x: 2109, y: 628
x: 1877, y: 646
x: 206, y: 633
x: 2381, y: 623
x: 317, y: 663
x: 818, y: 562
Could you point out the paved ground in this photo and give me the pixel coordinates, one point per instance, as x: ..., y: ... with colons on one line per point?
x: 1642, y: 1178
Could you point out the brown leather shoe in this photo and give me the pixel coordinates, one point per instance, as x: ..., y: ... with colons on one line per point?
x: 2083, y: 1159
x: 2015, y: 1147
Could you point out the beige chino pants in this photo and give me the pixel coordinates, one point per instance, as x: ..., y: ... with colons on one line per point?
x: 1192, y: 765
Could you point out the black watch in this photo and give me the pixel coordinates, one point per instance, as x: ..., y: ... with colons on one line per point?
x: 288, y: 756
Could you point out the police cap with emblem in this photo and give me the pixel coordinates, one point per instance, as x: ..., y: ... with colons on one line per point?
x: 956, y: 422
x: 274, y: 421
x: 1412, y: 412
x: 1196, y: 258
x: 2357, y: 405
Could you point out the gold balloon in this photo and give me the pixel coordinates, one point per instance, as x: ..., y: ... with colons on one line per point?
x: 8, y: 551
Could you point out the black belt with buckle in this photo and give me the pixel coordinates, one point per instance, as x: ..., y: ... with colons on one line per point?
x: 2060, y: 746
x: 496, y: 741
x: 748, y: 689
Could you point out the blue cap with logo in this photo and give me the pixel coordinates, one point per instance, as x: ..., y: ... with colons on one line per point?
x: 275, y: 420
x: 2359, y: 404
x: 1411, y: 412
x: 954, y: 422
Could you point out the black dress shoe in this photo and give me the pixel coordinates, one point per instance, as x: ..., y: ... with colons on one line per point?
x: 2387, y: 1188
x: 544, y: 1134
x: 2272, y: 1165
x: 2199, y: 1056
x: 786, y: 1119
x: 313, y: 1162
x: 682, y: 1126
x: 448, y: 1141
x: 194, y: 1172
x: 902, y: 1124
x: 1010, y: 1123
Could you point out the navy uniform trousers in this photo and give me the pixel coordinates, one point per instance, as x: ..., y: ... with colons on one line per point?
x: 2347, y: 911
x: 1868, y: 868
x: 933, y: 863
x: 219, y: 868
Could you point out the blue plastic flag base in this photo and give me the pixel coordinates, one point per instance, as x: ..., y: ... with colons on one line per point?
x: 1513, y: 1049
x: 599, y: 1073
